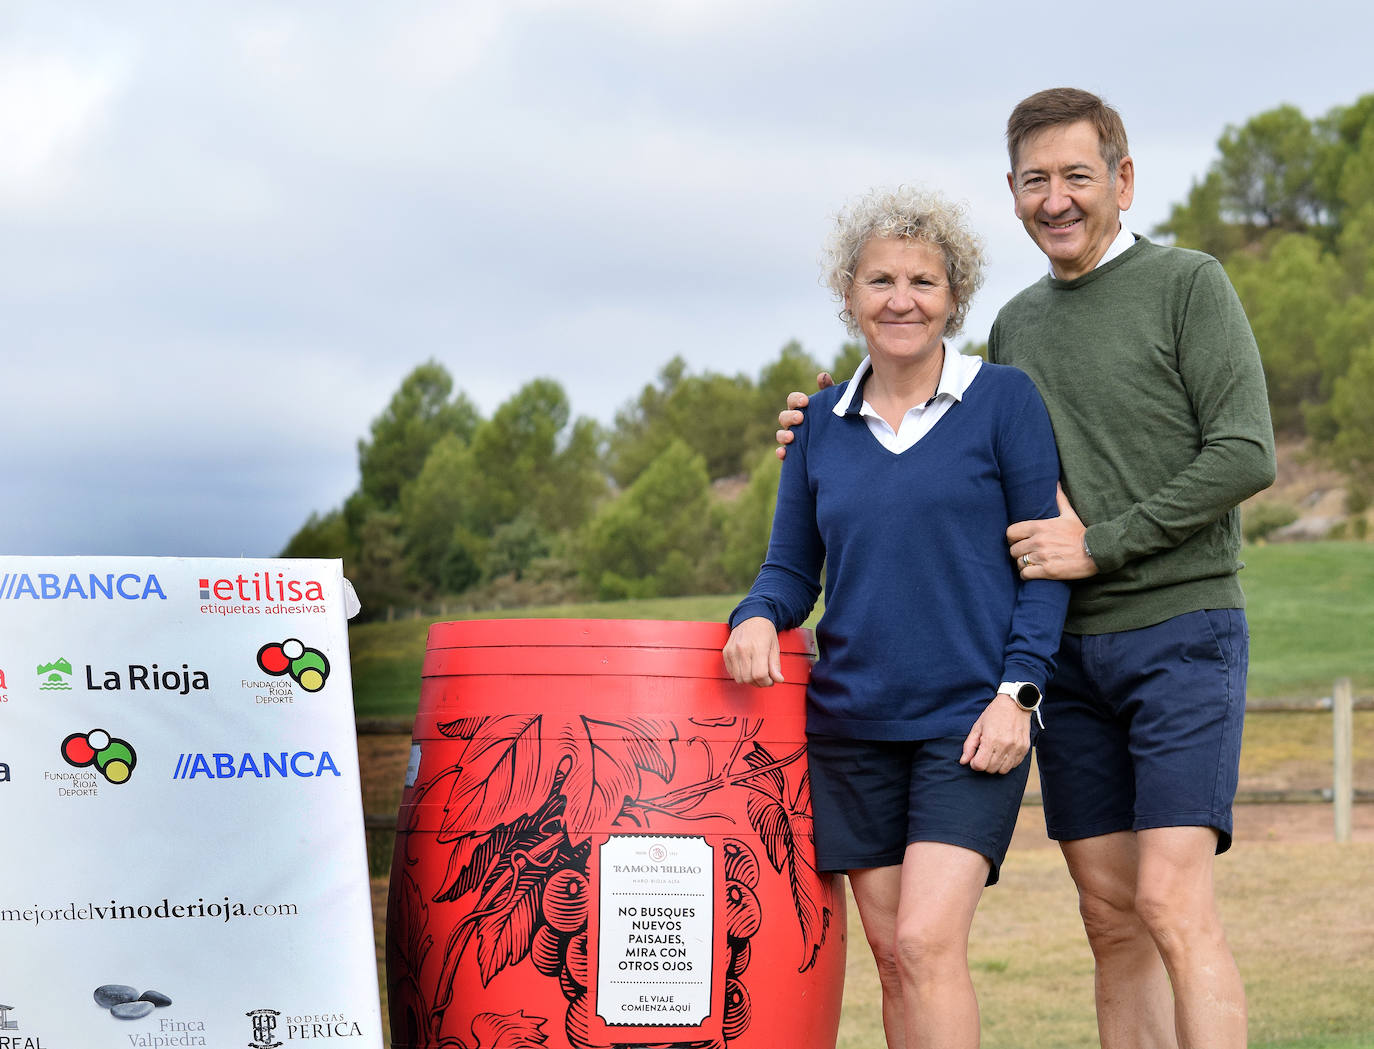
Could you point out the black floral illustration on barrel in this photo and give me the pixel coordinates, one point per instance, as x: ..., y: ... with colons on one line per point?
x: 524, y: 796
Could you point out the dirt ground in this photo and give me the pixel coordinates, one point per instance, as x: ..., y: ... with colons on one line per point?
x: 1304, y: 823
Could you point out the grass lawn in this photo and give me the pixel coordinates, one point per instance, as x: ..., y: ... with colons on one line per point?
x: 1311, y: 612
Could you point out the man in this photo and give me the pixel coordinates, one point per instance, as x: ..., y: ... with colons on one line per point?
x: 1153, y: 381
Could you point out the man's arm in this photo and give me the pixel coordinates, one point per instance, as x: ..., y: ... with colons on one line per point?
x: 788, y: 583
x: 1220, y: 367
x: 1221, y: 371
x: 1053, y: 548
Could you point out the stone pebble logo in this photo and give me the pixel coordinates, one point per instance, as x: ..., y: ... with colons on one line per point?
x: 55, y: 676
x: 113, y: 758
x: 125, y: 1003
x: 307, y: 667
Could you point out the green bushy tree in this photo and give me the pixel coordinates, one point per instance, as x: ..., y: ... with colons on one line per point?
x: 322, y: 536
x: 1290, y: 294
x: 439, y: 499
x: 419, y: 413
x: 524, y: 463
x: 746, y: 524
x: 655, y: 539
x: 1287, y: 207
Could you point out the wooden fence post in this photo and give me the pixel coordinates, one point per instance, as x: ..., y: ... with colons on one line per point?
x: 1342, y: 766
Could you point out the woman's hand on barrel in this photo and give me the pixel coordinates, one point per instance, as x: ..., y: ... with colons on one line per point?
x: 751, y: 655
x: 999, y: 739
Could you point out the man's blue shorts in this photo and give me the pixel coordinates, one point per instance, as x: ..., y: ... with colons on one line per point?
x: 1142, y: 727
x: 872, y: 798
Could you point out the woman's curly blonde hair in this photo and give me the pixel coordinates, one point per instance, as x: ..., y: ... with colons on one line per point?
x: 917, y: 215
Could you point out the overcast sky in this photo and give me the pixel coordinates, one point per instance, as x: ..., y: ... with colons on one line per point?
x: 229, y: 230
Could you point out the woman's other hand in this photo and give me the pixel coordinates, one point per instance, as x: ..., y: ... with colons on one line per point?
x: 999, y: 739
x: 751, y: 655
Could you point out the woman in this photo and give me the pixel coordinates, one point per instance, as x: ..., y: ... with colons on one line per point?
x: 901, y: 484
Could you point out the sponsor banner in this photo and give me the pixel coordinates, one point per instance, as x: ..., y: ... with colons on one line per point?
x: 179, y: 791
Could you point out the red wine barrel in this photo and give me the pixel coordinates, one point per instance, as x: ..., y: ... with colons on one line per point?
x: 605, y: 841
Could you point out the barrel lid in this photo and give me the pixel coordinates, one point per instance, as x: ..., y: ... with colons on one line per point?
x: 626, y: 633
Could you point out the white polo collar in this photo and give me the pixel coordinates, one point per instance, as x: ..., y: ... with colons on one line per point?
x: 956, y: 373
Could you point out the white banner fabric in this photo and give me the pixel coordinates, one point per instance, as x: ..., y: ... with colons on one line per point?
x: 181, y: 806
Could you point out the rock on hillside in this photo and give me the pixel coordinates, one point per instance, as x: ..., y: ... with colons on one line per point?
x: 1307, y: 487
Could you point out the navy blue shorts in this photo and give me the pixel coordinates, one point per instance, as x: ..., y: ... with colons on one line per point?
x: 872, y: 798
x: 1142, y: 728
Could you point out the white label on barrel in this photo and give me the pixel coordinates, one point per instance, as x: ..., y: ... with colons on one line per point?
x: 655, y: 952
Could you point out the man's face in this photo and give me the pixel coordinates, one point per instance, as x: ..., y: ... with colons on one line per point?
x: 1067, y: 198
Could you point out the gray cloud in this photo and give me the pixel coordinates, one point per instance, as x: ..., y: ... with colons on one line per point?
x: 231, y: 229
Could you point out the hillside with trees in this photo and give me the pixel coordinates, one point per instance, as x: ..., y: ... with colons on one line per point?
x: 1288, y: 207
x: 535, y: 505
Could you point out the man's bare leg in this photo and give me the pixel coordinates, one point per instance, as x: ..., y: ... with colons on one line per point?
x: 1176, y: 899
x: 1135, y: 1008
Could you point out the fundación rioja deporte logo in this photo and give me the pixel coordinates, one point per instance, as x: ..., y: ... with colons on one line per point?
x: 307, y: 667
x: 113, y: 758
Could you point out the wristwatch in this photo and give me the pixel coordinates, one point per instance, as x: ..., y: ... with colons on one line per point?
x: 1025, y: 695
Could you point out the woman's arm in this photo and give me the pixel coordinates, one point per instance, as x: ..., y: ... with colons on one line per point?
x: 1029, y: 464
x: 787, y: 585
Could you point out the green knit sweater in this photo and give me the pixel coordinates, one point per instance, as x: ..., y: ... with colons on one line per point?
x: 1154, y: 386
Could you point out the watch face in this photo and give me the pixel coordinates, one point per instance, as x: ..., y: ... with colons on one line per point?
x: 1028, y: 696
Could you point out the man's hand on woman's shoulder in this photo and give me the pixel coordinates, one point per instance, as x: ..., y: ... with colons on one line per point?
x: 792, y: 415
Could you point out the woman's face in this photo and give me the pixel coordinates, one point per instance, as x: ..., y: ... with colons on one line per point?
x: 901, y: 298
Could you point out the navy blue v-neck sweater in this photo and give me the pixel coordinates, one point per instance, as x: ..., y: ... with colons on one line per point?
x: 924, y: 613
